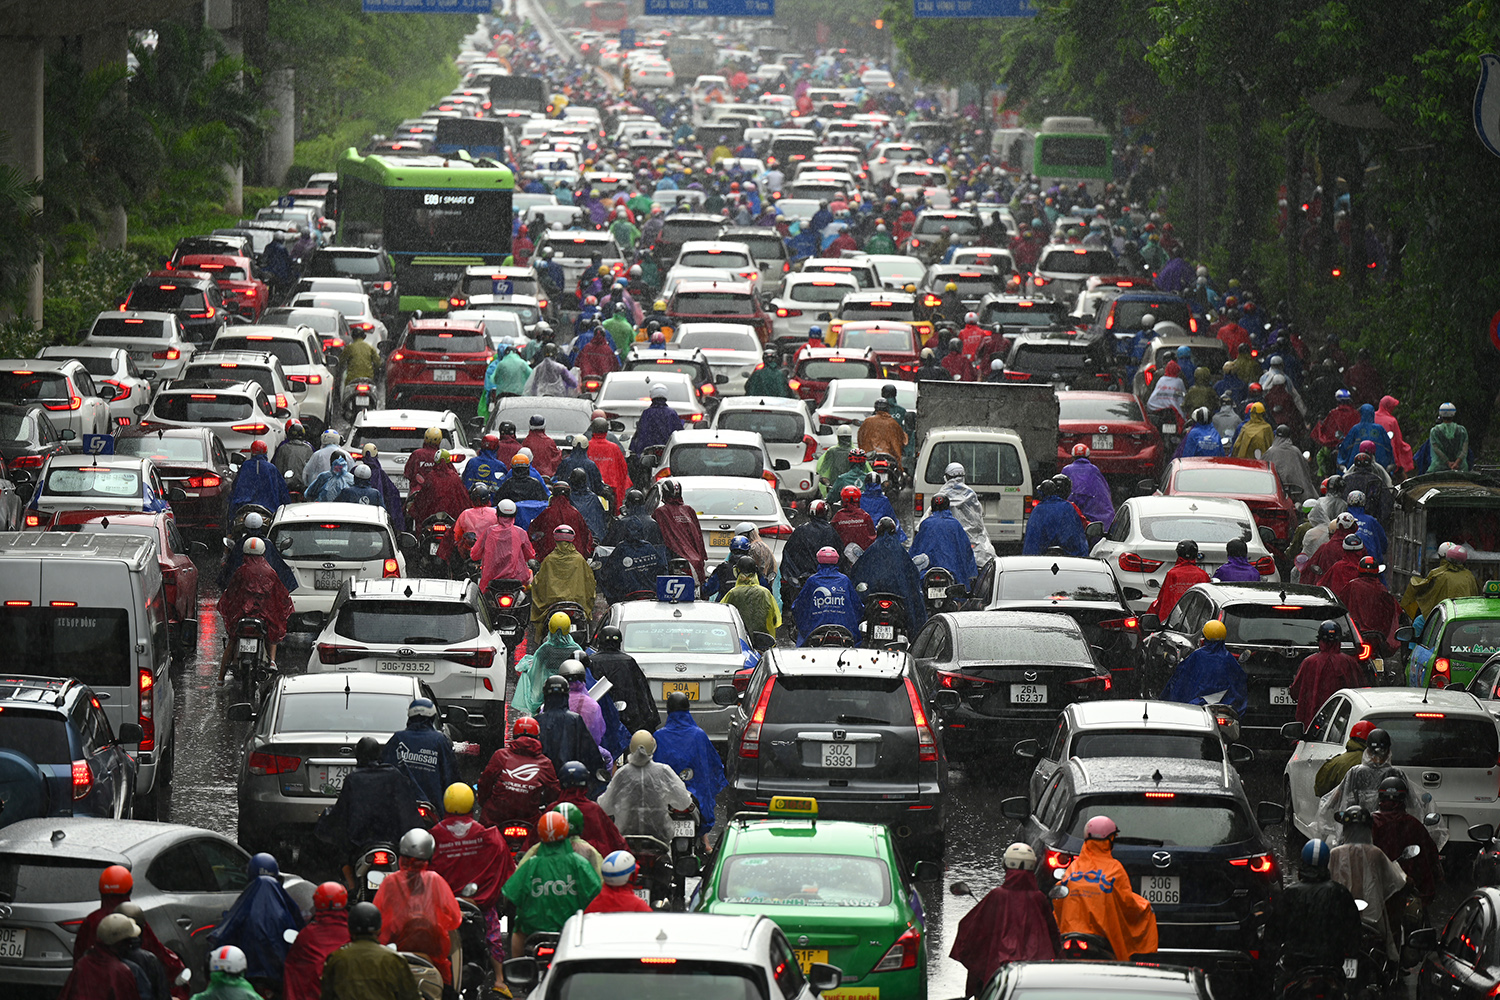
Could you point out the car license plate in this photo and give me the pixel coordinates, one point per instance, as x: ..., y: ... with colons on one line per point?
x: 445, y: 375
x: 248, y: 645
x: 1166, y: 889
x: 1282, y: 696
x: 404, y: 667
x: 1169, y: 428
x: 13, y: 943
x: 884, y: 631
x: 720, y: 538
x: 807, y: 956
x: 1104, y: 442
x: 361, y: 400
x: 689, y: 688
x: 327, y: 579
x: 331, y: 779
x: 1028, y: 694
x: 838, y: 754
x: 1351, y: 968
x: 937, y: 593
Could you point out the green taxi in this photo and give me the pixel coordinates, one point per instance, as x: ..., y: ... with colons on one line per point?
x: 835, y: 888
x: 1456, y: 639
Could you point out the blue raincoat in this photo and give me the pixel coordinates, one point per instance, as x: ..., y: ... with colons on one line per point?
x: 1202, y: 441
x: 657, y: 423
x: 390, y: 493
x: 827, y: 598
x: 682, y: 745
x: 875, y: 503
x: 259, y: 482
x: 367, y: 495
x: 578, y: 458
x: 589, y: 507
x: 426, y: 756
x: 886, y: 568
x: 330, y: 484
x: 943, y: 540
x: 634, y: 565
x: 1054, y: 521
x: 1235, y: 386
x: 1206, y: 670
x: 485, y: 467
x: 255, y: 924
x: 1366, y: 430
x: 1372, y: 533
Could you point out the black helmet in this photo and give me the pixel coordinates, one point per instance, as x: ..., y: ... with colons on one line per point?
x: 745, y: 564
x: 579, y: 479
x: 1187, y: 549
x: 479, y: 494
x: 671, y: 489
x: 1378, y: 739
x: 609, y: 638
x: 888, y: 391
x: 573, y: 775
x: 1334, y: 484
x: 556, y: 684
x: 367, y: 750
x: 634, y: 497
x: 1329, y: 631
x: 364, y: 920
x: 1046, y: 488
x: 506, y: 427
x: 886, y: 526
x: 1064, y: 485
x: 562, y: 489
x: 939, y: 502
x: 1355, y: 816
x: 678, y: 701
x: 1393, y: 789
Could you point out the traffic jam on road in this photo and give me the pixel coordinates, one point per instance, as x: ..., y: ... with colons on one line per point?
x: 776, y: 544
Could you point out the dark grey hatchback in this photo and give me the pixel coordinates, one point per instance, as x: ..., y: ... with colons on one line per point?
x: 854, y: 728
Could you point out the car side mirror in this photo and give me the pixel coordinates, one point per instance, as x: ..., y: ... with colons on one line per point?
x: 242, y: 712
x: 1016, y: 807
x: 520, y: 972
x: 1423, y: 939
x: 68, y: 434
x: 1145, y: 487
x: 177, y: 494
x: 1292, y: 490
x: 129, y: 732
x: 1292, y: 731
x: 947, y: 700
x: 1406, y: 634
x: 1027, y: 749
x: 1432, y: 819
x: 721, y: 379
x: 781, y: 465
x: 283, y: 412
x: 1057, y: 891
x: 821, y: 977
x: 1267, y: 535
x: 1270, y: 813
x: 1094, y: 531
x: 308, y: 621
x: 725, y: 695
x: 1481, y: 833
x: 236, y: 459
x: 140, y: 410
x: 1239, y: 754
x: 197, y: 549
x: 618, y: 426
x: 406, y: 541
x: 762, y: 641
x: 1150, y: 623
x: 926, y: 871
x: 149, y: 374
x: 458, y: 716
x: 25, y: 491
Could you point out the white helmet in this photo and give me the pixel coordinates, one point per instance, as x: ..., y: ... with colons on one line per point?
x: 254, y: 522
x: 1148, y: 321
x: 971, y: 318
x: 954, y: 469
x: 618, y: 868
x: 331, y: 436
x: 507, y: 508
x: 254, y: 547
x: 1020, y: 856
x: 227, y: 959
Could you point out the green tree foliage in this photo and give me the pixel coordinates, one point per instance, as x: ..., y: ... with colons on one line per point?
x: 20, y: 236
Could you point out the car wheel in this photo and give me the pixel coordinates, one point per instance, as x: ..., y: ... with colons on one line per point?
x: 1294, y: 837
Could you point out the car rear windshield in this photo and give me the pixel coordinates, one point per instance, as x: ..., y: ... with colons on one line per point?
x: 972, y: 287
x: 1282, y: 625
x: 90, y: 644
x: 682, y: 230
x: 1471, y: 640
x: 986, y: 463
x: 1180, y: 821
x: 393, y: 439
x: 127, y: 326
x: 581, y: 247
x: 355, y: 306
x: 741, y: 339
x: 717, y: 459
x: 1204, y: 530
x: 1024, y: 643
x: 26, y: 879
x: 332, y: 541
x: 410, y: 623
x: 620, y: 390
x: 93, y: 481
x: 819, y: 291
x: 356, y: 712
x: 448, y: 341
x: 861, y: 275
x: 1148, y: 743
x: 1442, y: 740
x: 804, y: 880
x: 836, y: 368
x: 103, y: 366
x: 166, y: 448
x: 233, y: 372
x: 1078, y: 261
x: 763, y: 247
x: 713, y: 258
x: 869, y: 701
x: 864, y: 396
x: 289, y: 352
x: 19, y: 387
x: 1211, y: 355
x: 203, y: 407
x: 769, y: 424
x: 895, y: 341
x: 960, y: 225
x: 1043, y: 359
x: 504, y: 284
x: 900, y: 311
x: 1091, y: 408
x: 337, y: 265
x: 682, y: 979
x: 16, y: 427
x: 1059, y: 584
x: 1128, y: 314
x: 1224, y: 479
x: 904, y: 268
x: 42, y: 736
x: 165, y: 298
x: 1021, y: 314
x: 679, y: 637
x: 713, y: 304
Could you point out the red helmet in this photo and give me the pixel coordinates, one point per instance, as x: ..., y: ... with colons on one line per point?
x: 330, y: 896
x: 257, y: 447
x: 828, y: 555
x: 115, y: 881
x: 1361, y: 730
x: 491, y: 441
x: 526, y: 726
x: 1255, y: 387
x: 849, y: 494
x: 1080, y: 451
x: 552, y: 827
x: 1369, y: 565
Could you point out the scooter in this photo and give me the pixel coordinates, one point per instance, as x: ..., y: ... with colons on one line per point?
x: 510, y: 610
x: 885, y: 623
x: 664, y: 868
x: 358, y: 396
x: 888, y: 469
x: 372, y: 867
x: 253, y: 658
x: 941, y: 592
x: 477, y: 975
x: 435, y: 531
x: 830, y: 635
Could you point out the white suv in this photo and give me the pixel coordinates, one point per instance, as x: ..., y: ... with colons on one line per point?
x: 300, y: 351
x: 64, y: 389
x: 156, y: 340
x: 239, y: 413
x: 791, y: 438
x: 330, y: 544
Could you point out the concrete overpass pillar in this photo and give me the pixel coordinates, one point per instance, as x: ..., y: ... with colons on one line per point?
x: 281, y: 140
x: 21, y: 115
x: 222, y: 15
x: 106, y: 45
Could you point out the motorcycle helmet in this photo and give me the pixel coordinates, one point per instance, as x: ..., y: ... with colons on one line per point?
x: 226, y: 959
x: 828, y: 556
x: 885, y: 526
x: 1368, y: 566
x: 559, y: 622
x: 432, y: 437
x: 739, y: 543
x: 619, y: 868
x: 1356, y: 498
x: 573, y: 775
x: 1328, y: 631
x: 263, y: 864
x: 678, y: 701
x: 671, y: 490
x: 1343, y: 396
x: 634, y: 497
x: 939, y: 502
x: 1447, y: 411
x: 1355, y: 815
x: 367, y: 750
x: 254, y: 521
x: 1080, y: 451
x: 1064, y: 485
x: 506, y: 428
x: 1379, y: 741
x: 1214, y: 631
x: 1201, y: 415
x: 1046, y: 488
x: 458, y: 799
x: 573, y: 815
x: 364, y: 920
x: 253, y: 546
x: 1187, y: 549
x: 416, y: 844
x: 552, y: 827
x: 599, y: 425
x: 506, y: 508
x: 971, y: 318
x: 331, y: 436
x: 849, y: 494
x: 555, y: 685
x: 571, y: 670
x: 295, y: 431
x: 818, y: 509
x: 1020, y: 856
x: 1315, y: 854
x: 562, y: 489
x: 526, y: 726
x: 1100, y: 828
x: 642, y: 747
x: 330, y: 896
x: 857, y: 456
x: 118, y: 927
x: 257, y: 447
x: 362, y: 472
x: 609, y: 638
x: 115, y: 881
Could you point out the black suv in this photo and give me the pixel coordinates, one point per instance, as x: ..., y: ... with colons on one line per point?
x: 371, y: 267
x: 1272, y: 628
x: 192, y: 295
x: 1188, y: 839
x: 58, y: 754
x: 1063, y: 356
x: 858, y: 728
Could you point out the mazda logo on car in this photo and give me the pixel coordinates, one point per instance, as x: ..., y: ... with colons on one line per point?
x: 1162, y: 859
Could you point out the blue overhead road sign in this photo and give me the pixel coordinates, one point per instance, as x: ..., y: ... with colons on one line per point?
x: 428, y: 6
x: 711, y: 8
x: 972, y: 8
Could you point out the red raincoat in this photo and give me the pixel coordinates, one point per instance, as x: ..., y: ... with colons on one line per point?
x: 418, y: 466
x: 617, y: 899
x: 597, y: 357
x: 1332, y: 429
x: 255, y: 591
x: 1343, y: 571
x: 1372, y: 607
x: 517, y: 784
x: 611, y: 462
x: 956, y: 363
x: 302, y: 973
x: 442, y: 493
x: 681, y: 534
x: 417, y: 911
x: 1320, y: 675
x: 854, y: 525
x: 468, y: 851
x: 1323, y: 560
x: 508, y: 447
x: 598, y: 829
x: 559, y: 511
x: 99, y: 975
x: 1232, y: 335
x: 545, y: 455
x: 1181, y: 578
x: 1012, y: 923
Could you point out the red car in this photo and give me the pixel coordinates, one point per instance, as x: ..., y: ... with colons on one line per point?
x: 1247, y: 479
x: 174, y: 554
x: 1121, y: 440
x: 817, y: 366
x: 895, y: 344
x: 235, y: 277
x: 439, y: 359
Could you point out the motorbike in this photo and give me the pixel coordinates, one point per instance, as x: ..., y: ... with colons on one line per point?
x: 359, y: 395
x: 371, y: 868
x: 253, y: 658
x: 435, y: 531
x: 237, y: 530
x: 831, y: 635
x: 888, y: 469
x: 477, y: 975
x: 885, y: 623
x: 1081, y: 947
x: 942, y: 592
x: 663, y: 869
x: 1317, y: 982
x: 1170, y: 424
x: 519, y: 836
x: 1373, y: 972
x: 429, y: 980
x: 580, y: 617
x: 510, y: 611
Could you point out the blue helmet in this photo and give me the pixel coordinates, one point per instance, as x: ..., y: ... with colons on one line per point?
x: 618, y: 868
x: 264, y: 864
x: 573, y: 775
x: 739, y: 543
x: 1184, y: 351
x: 1343, y: 396
x: 1315, y: 854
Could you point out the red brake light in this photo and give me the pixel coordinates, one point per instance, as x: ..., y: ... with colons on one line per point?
x: 1132, y: 563
x: 255, y: 429
x: 262, y: 763
x: 332, y: 654
x: 391, y: 568
x: 1161, y: 795
x: 750, y: 739
x: 809, y: 444
x: 1266, y: 565
x: 1430, y: 715
x: 902, y: 954
x: 1131, y: 624
x: 926, y: 740
x: 83, y: 779
x: 1057, y: 859
x: 517, y: 831
x: 382, y: 858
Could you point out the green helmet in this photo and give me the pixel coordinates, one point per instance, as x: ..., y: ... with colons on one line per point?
x: 574, y: 816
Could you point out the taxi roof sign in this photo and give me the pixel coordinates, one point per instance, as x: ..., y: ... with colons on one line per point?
x: 1492, y: 588
x: 794, y: 805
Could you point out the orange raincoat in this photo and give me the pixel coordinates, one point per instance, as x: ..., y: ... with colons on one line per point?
x: 1101, y: 901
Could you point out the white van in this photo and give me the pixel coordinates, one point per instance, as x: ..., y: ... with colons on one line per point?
x: 91, y: 606
x: 996, y: 468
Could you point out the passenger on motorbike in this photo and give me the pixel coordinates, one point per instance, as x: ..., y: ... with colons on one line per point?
x: 617, y: 896
x: 856, y: 469
x: 362, y: 492
x: 721, y: 580
x: 1014, y: 922
x: 292, y: 455
x: 520, y: 484
x: 226, y: 976
x: 325, y: 933
x: 101, y: 972
x: 364, y: 969
x: 390, y: 493
x: 754, y: 602
x: 1323, y: 673
x: 1053, y: 522
x: 468, y: 852
x: 486, y: 466
x: 419, y: 463
x: 628, y: 681
x: 1315, y: 922
x: 417, y: 909
x: 1210, y: 674
x: 1182, y: 577
x: 551, y: 885
x: 329, y: 445
x: 376, y: 805
x: 150, y: 973
x: 254, y: 591
x: 853, y: 523
x: 633, y: 565
x: 1365, y: 871
x: 827, y: 598
x: 881, y: 432
x: 564, y: 733
x: 1100, y: 899
x: 442, y: 493
x: 885, y: 567
x: 329, y: 485
x: 259, y: 482
x: 423, y: 751
x: 564, y: 576
x: 503, y: 550
x: 642, y: 794
x: 257, y: 921
x: 945, y: 543
x: 479, y: 518
x: 560, y: 511
x: 544, y: 661
x: 966, y: 506
x: 519, y: 781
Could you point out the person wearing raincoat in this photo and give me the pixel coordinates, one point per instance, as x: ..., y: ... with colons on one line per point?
x: 874, y: 501
x: 570, y: 880
x: 325, y: 933
x: 418, y: 910
x: 1366, y: 430
x: 1290, y: 465
x: 1325, y: 672
x: 506, y: 376
x: 682, y: 745
x: 854, y: 526
x: 443, y: 493
x: 259, y: 482
x: 827, y: 598
x: 1385, y: 416
x: 945, y: 543
x: 1014, y: 922
x: 1363, y: 868
x: 1201, y: 392
x: 255, y: 590
x: 835, y: 461
x: 328, y: 485
x: 1210, y: 674
x: 643, y: 792
x: 754, y: 602
x: 259, y: 918
x: 632, y: 566
x: 567, y: 735
x: 1447, y: 442
x: 1237, y: 566
x: 886, y: 568
x: 964, y: 503
x: 551, y: 378
x: 1100, y: 899
x: 679, y: 528
x: 518, y: 781
x: 609, y: 458
x: 769, y: 377
x: 587, y: 503
x: 1053, y: 522
x: 563, y: 577
x: 1091, y: 493
x: 323, y: 458
x: 558, y: 512
x: 1256, y: 435
x: 1168, y: 393
x: 1449, y: 578
x: 390, y: 493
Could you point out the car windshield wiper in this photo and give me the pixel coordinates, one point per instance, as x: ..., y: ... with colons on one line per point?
x: 865, y: 720
x: 1143, y: 841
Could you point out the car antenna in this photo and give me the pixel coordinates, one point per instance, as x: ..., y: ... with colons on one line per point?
x: 1145, y: 711
x: 1156, y: 777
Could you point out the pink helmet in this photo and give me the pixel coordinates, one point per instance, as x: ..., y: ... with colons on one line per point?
x: 1458, y: 554
x: 1100, y: 828
x: 828, y: 556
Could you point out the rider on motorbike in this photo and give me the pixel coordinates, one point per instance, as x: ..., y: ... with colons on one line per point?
x: 479, y: 518
x: 364, y: 969
x: 642, y: 794
x: 682, y: 745
x: 469, y: 852
x: 754, y: 602
x: 376, y: 805
x: 569, y: 883
x: 1315, y: 921
x: 1012, y: 923
x: 518, y: 782
x: 292, y: 455
x: 942, y: 539
x: 886, y: 567
x: 827, y: 598
x: 598, y: 829
x: 418, y: 911
x: 633, y: 565
x: 1364, y: 869
x: 259, y: 482
x: 423, y: 751
x: 565, y: 736
x: 361, y: 361
x: 1210, y: 674
x: 628, y: 681
x: 616, y: 896
x: 325, y: 933
x: 1100, y: 899
x: 254, y: 591
x: 257, y: 921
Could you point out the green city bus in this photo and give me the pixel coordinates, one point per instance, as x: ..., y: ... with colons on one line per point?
x: 434, y: 215
x: 1069, y: 150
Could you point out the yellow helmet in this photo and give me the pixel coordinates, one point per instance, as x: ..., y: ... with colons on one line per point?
x: 950, y: 287
x: 603, y: 269
x: 660, y: 305
x: 458, y: 799
x: 1214, y: 631
x: 1258, y: 408
x: 433, y: 437
x: 559, y: 622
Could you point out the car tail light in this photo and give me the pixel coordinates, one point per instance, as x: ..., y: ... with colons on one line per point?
x: 26, y: 462
x: 146, y: 709
x: 926, y: 739
x: 331, y: 654
x: 708, y: 389
x: 1038, y: 280
x: 33, y: 521
x: 695, y: 418
x: 1131, y: 624
x: 306, y: 379
x: 786, y: 267
x: 775, y: 530
x: 592, y: 384
x: 769, y: 477
x: 785, y: 313
x: 1266, y: 565
x: 207, y: 314
x: 1161, y: 795
x: 83, y: 779
x: 1132, y: 563
x: 794, y: 384
x: 479, y: 659
x: 1103, y: 684
x: 931, y: 301
x: 1057, y: 859
x: 281, y: 400
x: 918, y: 503
x: 750, y: 738
x: 1441, y: 666
x: 809, y: 446
x: 73, y: 403
x: 262, y: 763
x: 391, y: 568
x: 172, y: 354
x: 1260, y: 864
x: 122, y: 391
x: 203, y: 482
x: 1028, y: 504
x: 1109, y: 321
x: 398, y: 356
x: 256, y: 429
x: 902, y: 954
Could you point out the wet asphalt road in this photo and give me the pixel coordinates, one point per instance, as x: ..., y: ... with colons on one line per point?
x: 209, y: 753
